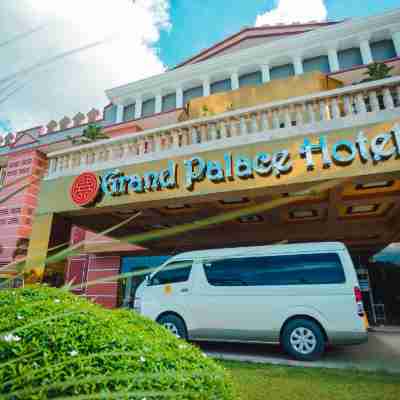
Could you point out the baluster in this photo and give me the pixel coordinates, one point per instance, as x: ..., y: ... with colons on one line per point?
x: 335, y: 108
x: 287, y: 117
x: 185, y: 137
x: 398, y: 95
x: 254, y: 123
x: 299, y: 116
x: 388, y: 99
x: 348, y: 109
x: 157, y: 143
x: 141, y: 147
x: 311, y: 113
x: 194, y: 135
x: 264, y: 121
x: 51, y: 166
x: 360, y: 104
x: 234, y: 131
x: 213, y: 131
x: 275, y: 120
x: 373, y: 101
x: 323, y: 112
x: 243, y: 125
x: 175, y: 134
x: 223, y: 130
x: 203, y: 133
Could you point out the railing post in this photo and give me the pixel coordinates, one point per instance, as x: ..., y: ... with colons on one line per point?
x: 243, y: 125
x: 264, y: 121
x: 388, y: 99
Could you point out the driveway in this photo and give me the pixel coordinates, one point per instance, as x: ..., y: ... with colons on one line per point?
x: 382, y: 352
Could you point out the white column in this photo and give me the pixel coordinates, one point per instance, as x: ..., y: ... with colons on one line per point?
x: 366, y: 54
x: 138, y: 108
x: 298, y: 65
x: 206, y: 87
x: 235, y: 80
x: 179, y: 97
x: 333, y: 60
x: 158, y: 106
x: 265, y: 75
x: 120, y: 113
x: 396, y: 42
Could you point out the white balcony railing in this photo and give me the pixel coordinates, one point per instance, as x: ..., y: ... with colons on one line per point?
x: 341, y: 108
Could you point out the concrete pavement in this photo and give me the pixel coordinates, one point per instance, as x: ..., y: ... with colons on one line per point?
x: 382, y: 352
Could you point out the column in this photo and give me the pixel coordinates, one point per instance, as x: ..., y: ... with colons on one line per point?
x: 396, y: 42
x: 179, y: 97
x: 120, y: 113
x: 366, y: 54
x: 298, y: 65
x: 158, y: 106
x: 333, y: 60
x: 206, y: 87
x: 266, y: 77
x: 138, y: 108
x: 38, y: 247
x: 235, y: 80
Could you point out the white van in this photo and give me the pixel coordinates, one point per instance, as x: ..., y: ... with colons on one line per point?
x: 300, y: 295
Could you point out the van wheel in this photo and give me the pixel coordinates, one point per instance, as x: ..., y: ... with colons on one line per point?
x: 303, y: 340
x: 174, y: 324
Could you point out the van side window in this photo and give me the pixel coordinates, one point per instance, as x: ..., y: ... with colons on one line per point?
x: 299, y: 269
x: 172, y: 273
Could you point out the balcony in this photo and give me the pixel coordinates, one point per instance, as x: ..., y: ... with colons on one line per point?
x: 346, y: 107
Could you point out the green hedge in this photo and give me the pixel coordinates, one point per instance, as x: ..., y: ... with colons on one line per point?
x: 54, y: 344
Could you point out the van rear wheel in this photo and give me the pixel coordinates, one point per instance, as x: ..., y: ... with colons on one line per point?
x: 303, y: 339
x: 174, y: 324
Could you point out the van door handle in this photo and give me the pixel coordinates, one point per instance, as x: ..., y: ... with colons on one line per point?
x: 184, y: 290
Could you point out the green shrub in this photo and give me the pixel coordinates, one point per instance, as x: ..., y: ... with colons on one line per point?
x: 54, y: 344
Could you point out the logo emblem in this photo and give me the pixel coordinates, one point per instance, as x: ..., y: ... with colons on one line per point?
x: 85, y: 189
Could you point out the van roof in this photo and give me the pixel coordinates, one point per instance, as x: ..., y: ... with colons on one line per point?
x: 275, y: 248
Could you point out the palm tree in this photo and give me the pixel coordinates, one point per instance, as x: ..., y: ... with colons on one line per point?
x: 91, y: 133
x: 376, y: 71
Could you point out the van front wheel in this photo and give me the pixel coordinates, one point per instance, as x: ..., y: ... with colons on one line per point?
x: 174, y: 324
x: 303, y: 339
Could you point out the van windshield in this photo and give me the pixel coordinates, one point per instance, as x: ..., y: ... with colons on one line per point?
x: 296, y: 269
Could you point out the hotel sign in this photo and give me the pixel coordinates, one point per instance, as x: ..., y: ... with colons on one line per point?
x: 86, y: 189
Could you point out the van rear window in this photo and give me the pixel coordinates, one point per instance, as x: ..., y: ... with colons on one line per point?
x: 299, y: 269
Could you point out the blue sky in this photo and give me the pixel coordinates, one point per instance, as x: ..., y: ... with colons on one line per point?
x: 44, y: 77
x: 198, y: 24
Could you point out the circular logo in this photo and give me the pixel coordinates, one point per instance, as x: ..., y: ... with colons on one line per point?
x: 84, y: 189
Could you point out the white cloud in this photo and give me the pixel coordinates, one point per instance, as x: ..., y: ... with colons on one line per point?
x: 127, y: 31
x: 289, y: 11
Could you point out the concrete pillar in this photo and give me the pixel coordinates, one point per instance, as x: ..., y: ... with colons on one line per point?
x: 158, y: 106
x: 396, y: 42
x: 366, y: 54
x: 265, y: 75
x: 333, y: 60
x: 206, y: 87
x: 138, y: 108
x: 298, y: 65
x: 120, y: 113
x: 235, y: 80
x: 179, y: 97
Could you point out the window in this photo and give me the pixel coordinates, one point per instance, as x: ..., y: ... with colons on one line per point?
x: 129, y: 112
x: 110, y: 113
x: 349, y: 58
x: 317, y: 64
x: 169, y: 102
x: 383, y: 50
x: 148, y: 107
x: 282, y: 72
x: 172, y: 273
x: 253, y: 79
x: 192, y: 93
x: 221, y: 86
x: 299, y: 269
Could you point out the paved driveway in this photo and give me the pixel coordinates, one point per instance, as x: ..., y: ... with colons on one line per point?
x: 382, y: 352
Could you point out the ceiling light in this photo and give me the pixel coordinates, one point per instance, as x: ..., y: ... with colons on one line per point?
x: 374, y: 185
x: 363, y: 209
x: 250, y: 218
x: 301, y: 214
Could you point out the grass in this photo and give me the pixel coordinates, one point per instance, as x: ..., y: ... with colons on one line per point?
x: 269, y: 382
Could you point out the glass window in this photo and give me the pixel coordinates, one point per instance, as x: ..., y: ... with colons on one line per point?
x: 129, y: 112
x: 172, y: 273
x: 349, y: 58
x: 383, y: 50
x: 169, y: 102
x: 282, y: 72
x: 301, y: 269
x: 221, y: 86
x: 253, y: 79
x: 148, y: 107
x: 317, y: 64
x: 192, y: 93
